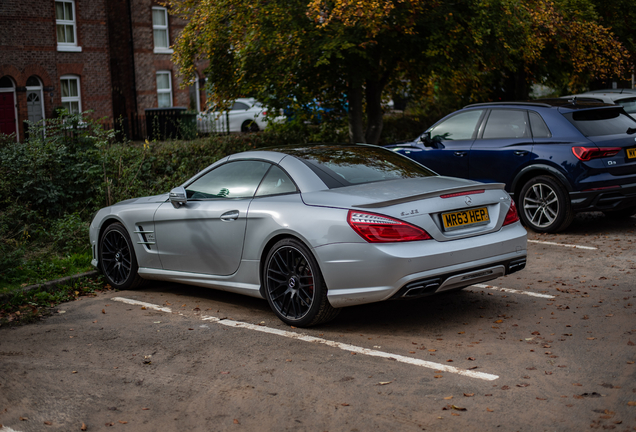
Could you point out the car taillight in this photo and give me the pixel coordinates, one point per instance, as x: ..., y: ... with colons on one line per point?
x: 376, y: 228
x: 512, y: 216
x: 587, y: 153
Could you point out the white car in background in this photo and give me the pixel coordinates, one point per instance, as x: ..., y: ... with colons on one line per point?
x: 245, y: 115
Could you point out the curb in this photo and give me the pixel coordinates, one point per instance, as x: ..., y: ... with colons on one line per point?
x: 50, y: 285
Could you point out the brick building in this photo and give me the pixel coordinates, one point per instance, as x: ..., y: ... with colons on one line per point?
x: 111, y: 57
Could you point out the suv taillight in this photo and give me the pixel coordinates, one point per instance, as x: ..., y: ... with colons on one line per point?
x: 512, y: 215
x: 376, y: 228
x: 587, y: 153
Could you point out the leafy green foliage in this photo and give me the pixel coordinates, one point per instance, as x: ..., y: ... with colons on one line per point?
x: 354, y: 53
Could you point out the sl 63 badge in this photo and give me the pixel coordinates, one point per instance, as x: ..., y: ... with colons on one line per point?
x: 408, y: 213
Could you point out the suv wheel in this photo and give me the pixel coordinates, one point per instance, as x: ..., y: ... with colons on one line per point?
x: 544, y: 205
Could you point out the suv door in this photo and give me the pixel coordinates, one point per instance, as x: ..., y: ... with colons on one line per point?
x: 502, y: 148
x: 447, y: 151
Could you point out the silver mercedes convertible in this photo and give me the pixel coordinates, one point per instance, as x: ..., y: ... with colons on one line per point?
x: 314, y: 229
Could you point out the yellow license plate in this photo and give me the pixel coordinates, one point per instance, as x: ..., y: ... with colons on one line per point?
x: 631, y: 153
x: 464, y: 218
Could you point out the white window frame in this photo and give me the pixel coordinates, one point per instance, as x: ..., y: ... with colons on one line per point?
x: 67, y: 46
x: 69, y: 99
x: 161, y: 50
x: 165, y: 91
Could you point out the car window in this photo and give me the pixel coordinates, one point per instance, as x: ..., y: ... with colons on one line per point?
x: 276, y: 182
x: 506, y: 124
x: 339, y: 166
x: 231, y: 180
x: 610, y: 121
x: 538, y: 126
x: 628, y: 104
x: 238, y: 106
x: 459, y: 127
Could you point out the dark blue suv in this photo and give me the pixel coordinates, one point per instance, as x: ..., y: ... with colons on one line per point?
x: 556, y: 157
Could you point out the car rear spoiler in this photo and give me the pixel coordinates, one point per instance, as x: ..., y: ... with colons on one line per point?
x: 433, y: 194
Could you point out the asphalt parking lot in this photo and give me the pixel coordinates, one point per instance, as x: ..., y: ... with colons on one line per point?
x: 550, y: 348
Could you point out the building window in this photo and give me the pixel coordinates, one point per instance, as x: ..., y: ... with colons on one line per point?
x: 65, y: 25
x: 71, y: 99
x: 160, y: 30
x: 164, y: 89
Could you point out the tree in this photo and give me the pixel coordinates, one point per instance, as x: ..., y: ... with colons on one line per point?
x: 350, y: 52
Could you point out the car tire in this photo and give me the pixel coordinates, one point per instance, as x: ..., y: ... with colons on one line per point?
x: 621, y: 214
x: 294, y: 286
x: 117, y: 259
x: 544, y: 205
x: 249, y: 126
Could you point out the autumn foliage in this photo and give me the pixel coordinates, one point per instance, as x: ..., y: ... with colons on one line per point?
x: 350, y: 54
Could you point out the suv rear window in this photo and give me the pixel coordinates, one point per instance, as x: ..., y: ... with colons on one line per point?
x: 601, y: 122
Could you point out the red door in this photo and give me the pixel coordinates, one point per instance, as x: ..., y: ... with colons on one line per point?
x: 7, y: 113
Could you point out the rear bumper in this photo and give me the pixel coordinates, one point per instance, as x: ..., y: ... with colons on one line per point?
x: 604, y: 199
x: 382, y: 272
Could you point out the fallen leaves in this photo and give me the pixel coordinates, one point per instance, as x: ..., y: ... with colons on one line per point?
x: 453, y: 407
x: 631, y: 403
x: 384, y: 383
x: 469, y: 394
x: 84, y: 427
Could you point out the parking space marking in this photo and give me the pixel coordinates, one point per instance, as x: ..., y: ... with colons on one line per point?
x: 513, y: 291
x: 334, y: 344
x: 562, y: 244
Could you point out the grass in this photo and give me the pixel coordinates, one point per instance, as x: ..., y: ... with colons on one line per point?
x: 43, y: 267
x: 25, y: 307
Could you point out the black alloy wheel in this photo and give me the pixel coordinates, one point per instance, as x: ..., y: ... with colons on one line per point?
x: 294, y: 286
x: 545, y: 205
x: 117, y: 258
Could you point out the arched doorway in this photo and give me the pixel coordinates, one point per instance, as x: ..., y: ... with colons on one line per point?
x: 8, y: 111
x: 35, y: 100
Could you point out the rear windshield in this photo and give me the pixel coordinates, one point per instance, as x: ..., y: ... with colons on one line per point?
x: 601, y: 122
x: 340, y: 166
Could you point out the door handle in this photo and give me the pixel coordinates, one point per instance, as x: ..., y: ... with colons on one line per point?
x: 521, y: 152
x: 460, y: 153
x: 230, y: 216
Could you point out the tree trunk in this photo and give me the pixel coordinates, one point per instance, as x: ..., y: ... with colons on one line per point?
x: 375, y: 113
x: 356, y: 133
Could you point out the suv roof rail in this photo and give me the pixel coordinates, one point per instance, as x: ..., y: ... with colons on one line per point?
x: 541, y: 104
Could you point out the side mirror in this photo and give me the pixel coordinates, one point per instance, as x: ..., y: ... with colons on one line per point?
x: 178, y: 197
x: 426, y: 139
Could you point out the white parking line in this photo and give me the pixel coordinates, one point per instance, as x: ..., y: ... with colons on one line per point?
x: 513, y: 291
x: 342, y: 346
x: 562, y: 244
